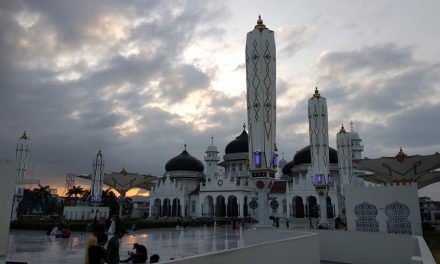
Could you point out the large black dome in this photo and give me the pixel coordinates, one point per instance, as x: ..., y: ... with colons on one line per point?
x: 303, y: 156
x: 184, y: 162
x: 239, y: 145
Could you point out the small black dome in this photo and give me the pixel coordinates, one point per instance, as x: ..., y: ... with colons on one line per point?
x: 303, y: 156
x: 184, y: 162
x: 239, y: 145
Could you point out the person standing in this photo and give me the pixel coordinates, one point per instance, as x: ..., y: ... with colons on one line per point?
x: 97, y: 253
x: 113, y: 246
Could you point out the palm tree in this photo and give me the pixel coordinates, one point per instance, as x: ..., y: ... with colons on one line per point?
x: 85, y: 195
x: 75, y: 191
x: 42, y: 194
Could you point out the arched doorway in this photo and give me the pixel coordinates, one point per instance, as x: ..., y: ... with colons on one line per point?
x: 312, y: 205
x: 298, y: 207
x: 245, y: 207
x: 156, y: 208
x: 208, y: 209
x: 330, y: 211
x: 232, y: 206
x: 166, y: 208
x: 220, y: 210
x: 175, y: 209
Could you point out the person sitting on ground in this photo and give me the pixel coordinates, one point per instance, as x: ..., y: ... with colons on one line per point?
x: 140, y: 256
x: 97, y: 253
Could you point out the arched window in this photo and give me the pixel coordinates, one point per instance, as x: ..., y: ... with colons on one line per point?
x: 193, y: 206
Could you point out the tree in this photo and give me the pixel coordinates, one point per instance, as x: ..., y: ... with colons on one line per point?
x: 42, y: 195
x: 75, y: 191
x: 109, y: 199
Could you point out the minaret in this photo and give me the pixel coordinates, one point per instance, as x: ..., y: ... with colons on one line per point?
x: 356, y: 146
x: 211, y: 160
x: 343, y: 142
x: 261, y: 110
x: 22, y: 156
x: 97, y: 179
x: 318, y: 131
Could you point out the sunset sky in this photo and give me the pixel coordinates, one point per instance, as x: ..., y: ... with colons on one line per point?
x: 139, y: 79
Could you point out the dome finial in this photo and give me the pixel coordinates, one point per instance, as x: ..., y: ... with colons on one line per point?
x: 342, y: 129
x: 185, y: 146
x: 212, y: 140
x: 260, y: 24
x: 316, y: 94
x: 244, y: 126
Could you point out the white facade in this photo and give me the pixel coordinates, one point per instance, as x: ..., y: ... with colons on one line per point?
x: 383, y: 209
x: 85, y: 212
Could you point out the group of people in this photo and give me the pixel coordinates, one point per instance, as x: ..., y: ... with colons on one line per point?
x: 61, y: 230
x: 96, y: 253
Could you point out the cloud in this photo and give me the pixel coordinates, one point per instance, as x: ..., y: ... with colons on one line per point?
x: 292, y: 38
x: 390, y: 94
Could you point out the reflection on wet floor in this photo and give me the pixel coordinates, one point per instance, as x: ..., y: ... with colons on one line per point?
x: 36, y: 247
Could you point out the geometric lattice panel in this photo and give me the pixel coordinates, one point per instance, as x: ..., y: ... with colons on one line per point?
x: 398, y: 222
x: 366, y: 217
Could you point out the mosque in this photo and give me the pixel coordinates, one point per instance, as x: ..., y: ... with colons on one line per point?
x: 229, y: 186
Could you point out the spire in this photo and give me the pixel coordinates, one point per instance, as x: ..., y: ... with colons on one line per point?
x: 342, y: 129
x: 212, y: 140
x: 185, y: 146
x: 316, y: 94
x: 260, y: 26
x: 351, y: 126
x: 24, y: 136
x: 244, y: 126
x: 400, y: 157
x: 99, y: 153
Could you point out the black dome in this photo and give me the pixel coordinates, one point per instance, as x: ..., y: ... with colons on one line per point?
x: 303, y: 156
x: 184, y: 162
x: 239, y: 145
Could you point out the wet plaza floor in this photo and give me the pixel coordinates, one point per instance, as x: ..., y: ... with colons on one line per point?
x: 37, y: 247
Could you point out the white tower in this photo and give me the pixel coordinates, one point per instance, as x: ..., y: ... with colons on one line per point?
x: 97, y: 179
x: 261, y: 110
x: 356, y: 147
x: 343, y: 142
x: 319, y: 151
x: 22, y: 156
x: 211, y: 160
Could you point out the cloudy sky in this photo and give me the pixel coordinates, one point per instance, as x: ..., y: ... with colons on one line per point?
x: 140, y: 79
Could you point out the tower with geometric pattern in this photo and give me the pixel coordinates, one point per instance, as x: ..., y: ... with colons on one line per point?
x: 22, y: 156
x: 319, y: 151
x: 261, y: 112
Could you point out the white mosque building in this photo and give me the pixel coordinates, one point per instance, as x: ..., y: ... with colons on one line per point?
x: 308, y: 186
x: 221, y: 188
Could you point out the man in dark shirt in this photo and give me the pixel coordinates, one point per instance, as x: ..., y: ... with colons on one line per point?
x: 113, y: 246
x: 140, y: 256
x: 97, y: 253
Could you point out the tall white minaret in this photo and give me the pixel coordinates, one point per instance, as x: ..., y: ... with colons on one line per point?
x: 211, y: 160
x: 261, y: 110
x: 343, y: 142
x: 97, y: 179
x: 318, y: 131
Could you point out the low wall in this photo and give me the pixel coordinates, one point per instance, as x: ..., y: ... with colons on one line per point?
x: 367, y: 247
x: 265, y: 246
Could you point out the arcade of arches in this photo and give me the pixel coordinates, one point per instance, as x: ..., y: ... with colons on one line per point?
x: 229, y: 207
x: 311, y: 207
